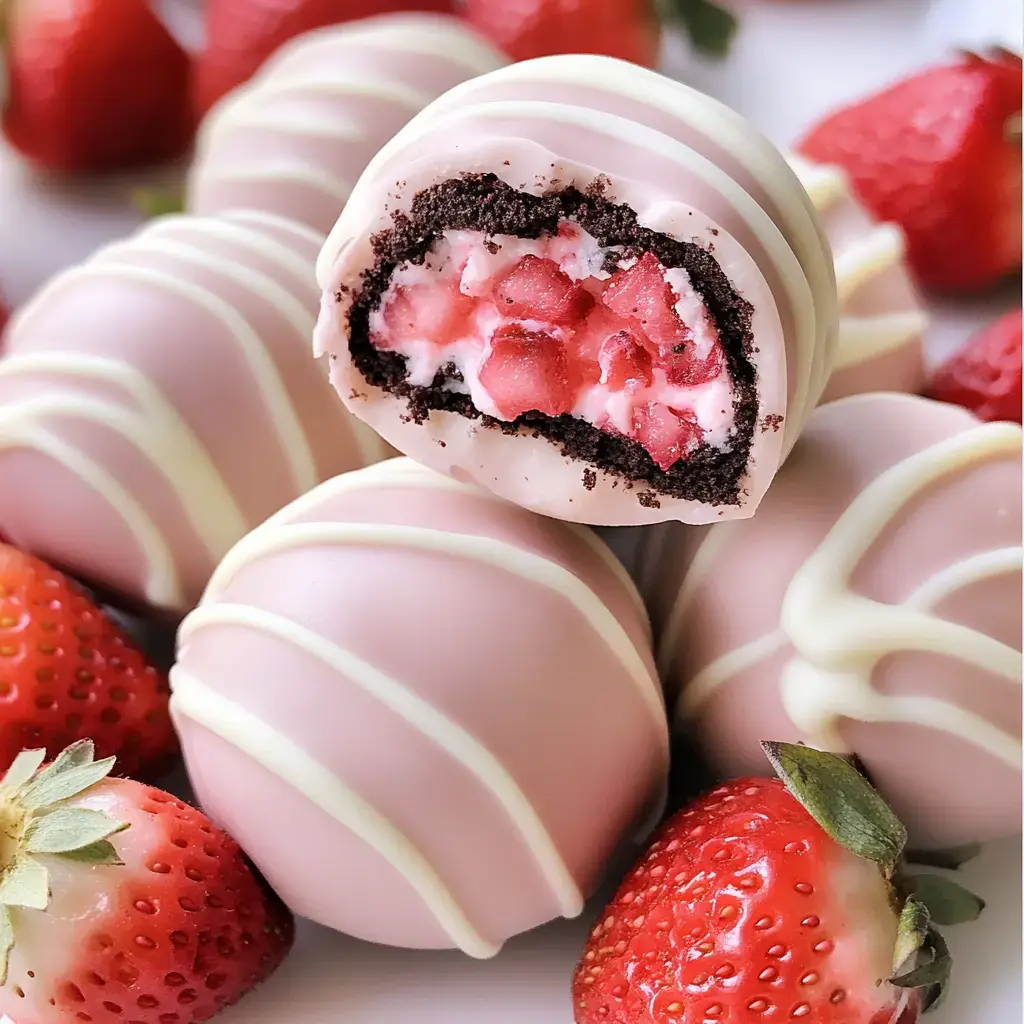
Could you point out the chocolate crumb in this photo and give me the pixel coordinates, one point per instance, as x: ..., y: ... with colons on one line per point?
x: 484, y: 203
x: 771, y: 422
x: 589, y: 479
x: 492, y: 247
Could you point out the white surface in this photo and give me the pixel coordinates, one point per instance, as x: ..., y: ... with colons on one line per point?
x: 793, y: 61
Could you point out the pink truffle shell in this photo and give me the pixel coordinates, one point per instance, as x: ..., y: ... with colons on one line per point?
x: 294, y: 139
x: 159, y: 400
x: 938, y: 732
x: 881, y: 323
x: 566, y: 721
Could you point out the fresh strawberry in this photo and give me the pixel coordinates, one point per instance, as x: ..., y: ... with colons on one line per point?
x: 94, y: 85
x: 628, y: 29
x: 526, y: 371
x: 68, y: 672
x: 119, y: 903
x: 940, y: 154
x: 536, y: 289
x: 771, y: 900
x: 5, y: 314
x: 985, y: 375
x: 242, y: 34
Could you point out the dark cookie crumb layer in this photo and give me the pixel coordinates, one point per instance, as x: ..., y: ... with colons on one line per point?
x: 482, y: 202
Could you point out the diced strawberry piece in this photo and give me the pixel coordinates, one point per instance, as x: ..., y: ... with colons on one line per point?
x: 536, y: 289
x: 668, y: 434
x: 528, y: 371
x: 437, y: 312
x: 684, y: 370
x: 624, y: 362
x: 642, y: 294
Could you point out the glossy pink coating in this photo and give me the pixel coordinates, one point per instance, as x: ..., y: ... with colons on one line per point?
x: 295, y: 138
x: 159, y: 400
x: 688, y: 167
x: 761, y: 642
x: 428, y: 715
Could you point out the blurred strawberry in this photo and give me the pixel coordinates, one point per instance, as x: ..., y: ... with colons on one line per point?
x: 940, y: 154
x: 985, y: 375
x: 94, y: 85
x: 628, y: 29
x: 242, y: 34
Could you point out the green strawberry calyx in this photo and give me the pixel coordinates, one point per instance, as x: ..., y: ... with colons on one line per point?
x: 710, y: 26
x: 154, y: 202
x: 36, y: 822
x: 843, y: 802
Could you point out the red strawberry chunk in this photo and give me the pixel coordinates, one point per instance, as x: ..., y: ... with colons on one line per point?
x: 536, y: 289
x: 642, y: 294
x: 526, y: 371
x: 439, y: 313
x: 668, y: 434
x: 685, y: 370
x: 985, y: 375
x: 624, y: 362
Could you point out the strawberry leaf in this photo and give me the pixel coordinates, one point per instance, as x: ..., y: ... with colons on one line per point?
x: 25, y: 884
x: 950, y: 859
x: 911, y: 933
x: 62, y: 786
x: 6, y: 943
x: 102, y: 852
x: 710, y: 26
x: 23, y: 767
x: 841, y: 801
x: 946, y: 900
x: 70, y: 828
x: 933, y: 974
x: 79, y: 752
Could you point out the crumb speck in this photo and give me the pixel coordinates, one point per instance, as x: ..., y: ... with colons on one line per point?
x: 589, y: 479
x: 772, y: 422
x: 648, y: 499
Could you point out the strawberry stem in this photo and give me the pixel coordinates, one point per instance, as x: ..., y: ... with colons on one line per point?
x: 34, y: 820
x: 711, y: 27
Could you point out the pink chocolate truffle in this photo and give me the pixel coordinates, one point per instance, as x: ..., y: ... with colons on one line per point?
x: 873, y: 605
x: 158, y: 401
x: 882, y: 324
x: 428, y: 715
x: 294, y: 139
x: 587, y: 288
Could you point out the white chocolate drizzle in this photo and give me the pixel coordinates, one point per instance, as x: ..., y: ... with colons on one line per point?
x: 422, y: 716
x: 146, y: 419
x: 283, y: 757
x: 403, y: 472
x: 877, y: 253
x: 840, y: 637
x: 281, y: 533
x: 474, y: 547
